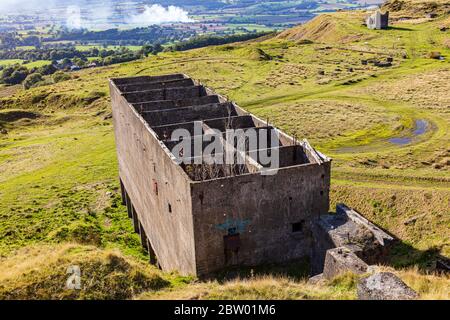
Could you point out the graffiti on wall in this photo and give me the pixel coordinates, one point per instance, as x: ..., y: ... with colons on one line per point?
x: 233, y: 226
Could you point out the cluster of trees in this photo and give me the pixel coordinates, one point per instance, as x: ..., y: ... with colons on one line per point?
x: 106, y: 55
x: 17, y: 74
x: 36, y: 79
x: 14, y: 74
x: 136, y: 36
x: 41, y: 54
x: 11, y: 40
x: 64, y: 59
x: 203, y: 41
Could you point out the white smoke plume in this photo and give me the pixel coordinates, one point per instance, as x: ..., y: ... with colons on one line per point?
x: 157, y: 14
x: 96, y: 14
x: 73, y: 20
x: 94, y: 17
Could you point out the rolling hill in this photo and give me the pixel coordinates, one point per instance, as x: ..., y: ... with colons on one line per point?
x: 386, y: 126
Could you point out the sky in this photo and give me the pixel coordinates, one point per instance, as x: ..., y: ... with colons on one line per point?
x: 83, y: 13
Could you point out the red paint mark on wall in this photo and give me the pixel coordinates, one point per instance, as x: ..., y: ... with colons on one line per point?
x: 155, y: 187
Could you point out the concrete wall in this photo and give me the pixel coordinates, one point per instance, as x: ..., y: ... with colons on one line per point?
x: 143, y: 166
x: 166, y: 94
x: 342, y: 260
x: 378, y: 20
x: 262, y: 209
x: 165, y: 131
x: 348, y: 228
x: 198, y: 227
x: 188, y: 114
x: 149, y: 86
x: 150, y: 79
x: 168, y: 104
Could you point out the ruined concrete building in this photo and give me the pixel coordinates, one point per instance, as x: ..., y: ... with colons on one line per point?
x: 378, y: 20
x: 196, y: 219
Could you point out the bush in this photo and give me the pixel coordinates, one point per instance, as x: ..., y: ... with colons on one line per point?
x: 47, y: 70
x: 105, y: 274
x: 80, y: 232
x: 31, y: 80
x: 79, y: 62
x: 60, y: 76
x: 203, y: 41
x: 14, y: 74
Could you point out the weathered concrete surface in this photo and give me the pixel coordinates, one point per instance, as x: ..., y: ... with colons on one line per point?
x: 169, y: 104
x: 317, y: 279
x: 148, y: 79
x: 341, y: 260
x: 189, y: 114
x: 150, y: 177
x: 157, y: 85
x: 348, y: 228
x: 165, y: 94
x: 198, y: 227
x: 198, y: 224
x: 374, y: 242
x: 382, y: 237
x: 378, y: 20
x: 384, y: 286
x: 263, y: 210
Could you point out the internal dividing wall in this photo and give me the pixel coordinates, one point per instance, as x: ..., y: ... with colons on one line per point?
x: 197, y: 221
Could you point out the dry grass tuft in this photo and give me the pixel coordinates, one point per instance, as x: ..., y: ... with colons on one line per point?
x: 262, y: 288
x: 325, y: 28
x: 40, y: 272
x: 428, y: 286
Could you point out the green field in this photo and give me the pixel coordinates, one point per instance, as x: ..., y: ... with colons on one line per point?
x: 100, y: 47
x: 59, y: 196
x: 30, y: 65
x: 25, y: 47
x: 9, y: 62
x: 86, y: 47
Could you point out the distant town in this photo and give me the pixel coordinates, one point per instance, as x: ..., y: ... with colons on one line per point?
x: 80, y: 34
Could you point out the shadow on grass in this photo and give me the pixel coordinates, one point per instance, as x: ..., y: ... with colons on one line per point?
x: 400, y: 255
x: 297, y: 269
x: 404, y: 255
x: 399, y: 28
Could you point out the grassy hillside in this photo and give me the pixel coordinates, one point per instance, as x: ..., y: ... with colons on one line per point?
x: 59, y: 194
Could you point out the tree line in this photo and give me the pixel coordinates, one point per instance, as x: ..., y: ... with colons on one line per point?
x: 137, y: 36
x: 65, y: 59
x: 212, y: 40
x: 70, y: 52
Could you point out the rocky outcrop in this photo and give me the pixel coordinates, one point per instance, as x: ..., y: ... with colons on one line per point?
x: 348, y: 242
x: 416, y: 8
x: 384, y: 286
x: 342, y: 260
x: 349, y: 229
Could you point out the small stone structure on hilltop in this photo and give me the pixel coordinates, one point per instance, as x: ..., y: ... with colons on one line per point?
x: 378, y: 20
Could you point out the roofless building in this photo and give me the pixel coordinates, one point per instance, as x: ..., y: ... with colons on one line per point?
x: 196, y: 217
